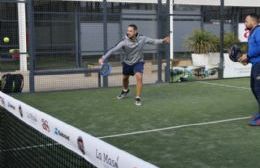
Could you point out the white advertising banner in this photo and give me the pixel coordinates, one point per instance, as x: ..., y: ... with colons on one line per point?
x: 94, y: 150
x: 235, y: 69
x: 243, y: 33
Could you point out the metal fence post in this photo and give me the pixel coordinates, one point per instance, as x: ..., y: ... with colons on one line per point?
x: 168, y: 53
x: 30, y: 11
x: 21, y: 9
x: 202, y: 16
x: 235, y: 21
x: 221, y: 67
x: 105, y: 79
x: 77, y: 37
x: 159, y: 32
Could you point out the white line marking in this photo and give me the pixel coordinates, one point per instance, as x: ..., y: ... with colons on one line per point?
x: 223, y: 85
x: 174, y: 127
x: 152, y: 130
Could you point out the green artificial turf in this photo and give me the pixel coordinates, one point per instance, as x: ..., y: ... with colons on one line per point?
x: 228, y: 144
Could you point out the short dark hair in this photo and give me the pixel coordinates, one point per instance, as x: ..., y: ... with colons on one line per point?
x: 254, y: 16
x: 133, y: 26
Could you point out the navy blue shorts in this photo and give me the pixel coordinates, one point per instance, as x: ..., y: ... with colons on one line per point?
x: 255, y: 82
x: 132, y: 69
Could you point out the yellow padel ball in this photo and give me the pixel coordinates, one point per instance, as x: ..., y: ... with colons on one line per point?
x: 6, y: 40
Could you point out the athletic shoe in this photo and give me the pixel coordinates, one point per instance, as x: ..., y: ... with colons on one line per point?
x: 255, y: 115
x: 255, y: 121
x: 123, y: 94
x: 138, y: 101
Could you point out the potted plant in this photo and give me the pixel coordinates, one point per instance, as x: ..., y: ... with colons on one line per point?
x: 202, y: 44
x: 229, y: 40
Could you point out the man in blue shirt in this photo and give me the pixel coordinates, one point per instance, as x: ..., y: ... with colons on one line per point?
x: 253, y: 57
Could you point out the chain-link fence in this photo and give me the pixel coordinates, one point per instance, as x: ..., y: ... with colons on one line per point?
x: 79, y: 33
x: 203, y: 36
x: 9, y: 36
x: 65, y: 39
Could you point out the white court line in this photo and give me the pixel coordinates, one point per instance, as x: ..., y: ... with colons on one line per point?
x: 223, y: 85
x: 154, y: 130
x: 175, y: 127
x: 188, y: 125
x: 135, y: 133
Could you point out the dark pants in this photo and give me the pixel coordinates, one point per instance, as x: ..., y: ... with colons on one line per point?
x: 255, y: 82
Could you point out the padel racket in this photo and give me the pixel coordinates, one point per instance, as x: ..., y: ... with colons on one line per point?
x: 235, y: 53
x: 105, y: 69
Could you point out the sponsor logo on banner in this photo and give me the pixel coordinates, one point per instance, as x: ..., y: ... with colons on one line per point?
x: 107, y: 160
x: 100, y: 153
x: 246, y: 33
x: 20, y: 110
x: 45, y: 125
x: 243, y: 32
x: 9, y: 105
x: 2, y: 101
x: 61, y: 134
x: 80, y: 143
x: 32, y: 118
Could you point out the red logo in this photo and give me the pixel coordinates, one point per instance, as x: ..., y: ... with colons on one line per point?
x: 246, y: 33
x: 45, y: 125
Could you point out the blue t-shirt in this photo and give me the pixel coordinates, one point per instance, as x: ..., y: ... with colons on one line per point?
x: 253, y: 52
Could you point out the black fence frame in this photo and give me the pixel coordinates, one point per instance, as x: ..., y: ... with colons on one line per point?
x: 34, y: 72
x: 78, y: 69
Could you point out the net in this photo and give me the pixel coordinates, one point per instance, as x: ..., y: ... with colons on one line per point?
x: 32, y: 138
x: 24, y: 147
